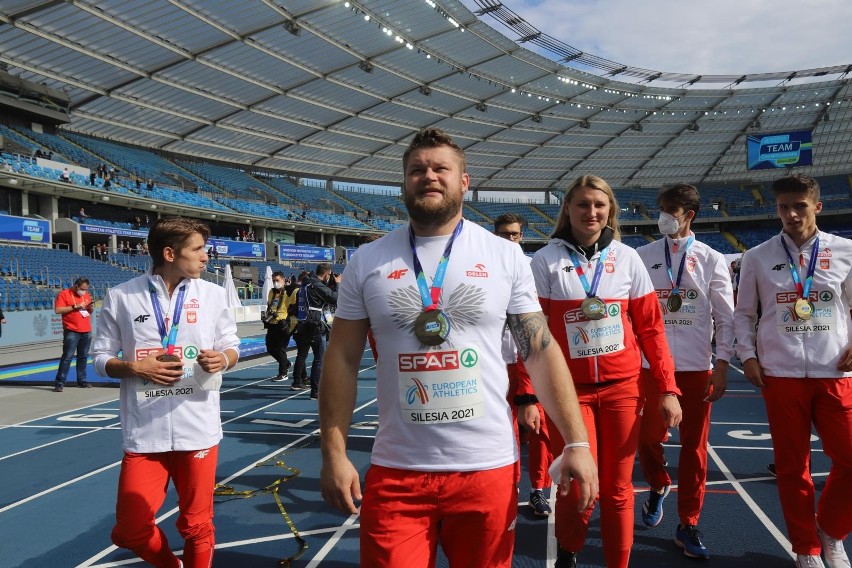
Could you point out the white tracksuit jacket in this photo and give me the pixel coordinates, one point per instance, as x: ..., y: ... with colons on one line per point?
x: 785, y: 345
x: 708, y: 300
x: 155, y: 418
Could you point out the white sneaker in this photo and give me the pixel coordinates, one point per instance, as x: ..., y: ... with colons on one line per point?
x: 809, y: 561
x: 832, y: 549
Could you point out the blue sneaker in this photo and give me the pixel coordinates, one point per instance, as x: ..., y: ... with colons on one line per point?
x: 652, y: 510
x: 689, y: 539
x: 539, y: 504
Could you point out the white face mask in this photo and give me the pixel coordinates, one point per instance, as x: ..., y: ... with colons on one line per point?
x: 668, y: 224
x: 81, y: 292
x: 277, y: 285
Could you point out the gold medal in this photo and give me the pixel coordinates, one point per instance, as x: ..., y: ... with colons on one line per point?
x: 804, y: 309
x: 674, y: 302
x: 593, y: 308
x: 432, y: 328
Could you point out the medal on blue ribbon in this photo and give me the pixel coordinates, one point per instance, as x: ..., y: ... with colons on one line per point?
x: 593, y: 307
x: 432, y: 326
x: 167, y: 338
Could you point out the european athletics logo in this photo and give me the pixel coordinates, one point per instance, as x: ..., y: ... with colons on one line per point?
x: 581, y: 335
x: 417, y: 391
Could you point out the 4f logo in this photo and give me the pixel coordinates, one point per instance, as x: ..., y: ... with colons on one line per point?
x: 397, y: 274
x: 568, y: 268
x: 779, y: 266
x: 141, y: 319
x: 201, y: 454
x: 657, y: 266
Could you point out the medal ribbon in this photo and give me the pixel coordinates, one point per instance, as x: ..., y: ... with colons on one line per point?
x: 804, y: 291
x: 676, y: 283
x: 430, y: 296
x: 168, y: 339
x: 591, y: 291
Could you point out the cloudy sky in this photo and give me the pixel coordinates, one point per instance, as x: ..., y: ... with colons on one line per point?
x: 710, y: 37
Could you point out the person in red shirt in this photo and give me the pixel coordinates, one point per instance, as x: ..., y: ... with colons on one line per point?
x: 76, y: 307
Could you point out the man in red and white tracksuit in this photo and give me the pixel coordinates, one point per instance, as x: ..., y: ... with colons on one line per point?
x: 800, y: 356
x: 170, y: 420
x: 694, y: 287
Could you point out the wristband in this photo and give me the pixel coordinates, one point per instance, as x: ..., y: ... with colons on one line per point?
x: 227, y: 361
x: 576, y: 445
x: 522, y: 399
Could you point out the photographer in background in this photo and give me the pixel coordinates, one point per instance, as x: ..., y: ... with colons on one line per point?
x: 316, y: 299
x: 278, y: 322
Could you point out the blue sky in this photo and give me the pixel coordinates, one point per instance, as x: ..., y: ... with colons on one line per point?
x: 701, y: 37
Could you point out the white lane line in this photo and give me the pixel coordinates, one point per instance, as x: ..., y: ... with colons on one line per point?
x: 758, y: 512
x: 59, y: 441
x: 57, y: 487
x: 332, y: 542
x: 236, y: 544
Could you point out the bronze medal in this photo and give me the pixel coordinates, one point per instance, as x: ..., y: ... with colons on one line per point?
x: 166, y: 358
x: 674, y: 302
x: 432, y: 328
x: 804, y: 309
x: 593, y: 308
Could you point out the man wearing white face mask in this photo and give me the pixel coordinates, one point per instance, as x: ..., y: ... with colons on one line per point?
x: 75, y: 306
x: 694, y: 288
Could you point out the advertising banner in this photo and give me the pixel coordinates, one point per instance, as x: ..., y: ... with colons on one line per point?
x: 113, y: 231
x: 240, y: 249
x: 23, y: 229
x: 305, y: 252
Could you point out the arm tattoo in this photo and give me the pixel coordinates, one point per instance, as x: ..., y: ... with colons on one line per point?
x: 530, y: 332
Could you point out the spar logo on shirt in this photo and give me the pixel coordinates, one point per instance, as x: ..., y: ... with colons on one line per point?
x: 192, y: 305
x: 146, y: 351
x: 434, y: 361
x: 791, y: 297
x: 576, y: 315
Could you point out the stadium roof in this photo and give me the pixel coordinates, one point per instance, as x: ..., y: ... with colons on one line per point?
x: 334, y: 89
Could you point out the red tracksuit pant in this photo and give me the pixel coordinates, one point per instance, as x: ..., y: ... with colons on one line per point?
x: 538, y: 444
x: 406, y: 514
x: 792, y: 406
x: 694, y: 430
x: 142, y: 486
x: 611, y: 414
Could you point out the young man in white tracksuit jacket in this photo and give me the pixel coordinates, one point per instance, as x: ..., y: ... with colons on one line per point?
x: 694, y: 288
x: 175, y: 337
x: 799, y: 355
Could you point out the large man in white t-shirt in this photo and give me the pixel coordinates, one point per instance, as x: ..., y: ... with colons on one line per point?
x: 436, y: 294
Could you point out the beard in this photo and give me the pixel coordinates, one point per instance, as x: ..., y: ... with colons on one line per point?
x: 433, y: 212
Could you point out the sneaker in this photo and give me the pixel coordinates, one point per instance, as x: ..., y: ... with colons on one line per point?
x: 278, y: 378
x: 689, y: 539
x: 298, y: 386
x: 809, y: 561
x: 84, y: 385
x: 565, y: 559
x: 315, y: 395
x: 832, y: 549
x: 539, y: 504
x: 771, y: 469
x: 652, y: 510
x: 58, y: 388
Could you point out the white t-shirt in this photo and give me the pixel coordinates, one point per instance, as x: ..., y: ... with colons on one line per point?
x: 440, y: 408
